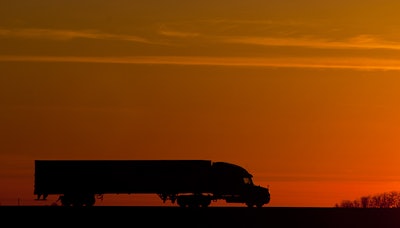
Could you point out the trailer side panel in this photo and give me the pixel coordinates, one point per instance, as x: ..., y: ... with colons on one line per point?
x: 122, y: 176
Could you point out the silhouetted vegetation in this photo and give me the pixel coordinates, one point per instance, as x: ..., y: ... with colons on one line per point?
x: 381, y: 200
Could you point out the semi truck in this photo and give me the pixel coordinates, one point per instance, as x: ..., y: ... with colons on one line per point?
x: 188, y: 183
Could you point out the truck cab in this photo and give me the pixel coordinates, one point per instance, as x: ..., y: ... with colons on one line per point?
x: 235, y: 185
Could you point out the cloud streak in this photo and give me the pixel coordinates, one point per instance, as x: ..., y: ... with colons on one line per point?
x: 363, y: 41
x: 179, y: 34
x: 56, y: 34
x: 278, y: 34
x: 310, y: 62
x: 360, y: 41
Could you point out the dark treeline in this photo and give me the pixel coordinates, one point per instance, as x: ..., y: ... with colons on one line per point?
x: 381, y: 200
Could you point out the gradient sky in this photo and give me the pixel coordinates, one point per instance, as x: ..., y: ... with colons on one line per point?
x: 302, y: 93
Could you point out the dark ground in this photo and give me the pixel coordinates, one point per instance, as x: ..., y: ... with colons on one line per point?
x: 126, y: 216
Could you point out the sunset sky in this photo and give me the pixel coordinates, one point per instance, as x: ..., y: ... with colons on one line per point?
x: 304, y: 94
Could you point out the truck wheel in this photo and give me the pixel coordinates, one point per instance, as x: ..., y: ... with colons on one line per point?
x: 65, y: 201
x: 181, y: 202
x: 90, y: 201
x: 77, y: 204
x: 194, y: 205
x: 206, y: 203
x: 249, y: 204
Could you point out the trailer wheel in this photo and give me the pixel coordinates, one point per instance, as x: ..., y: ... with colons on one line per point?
x: 90, y: 200
x: 181, y: 202
x: 249, y: 204
x: 194, y: 205
x: 65, y: 201
x: 62, y: 200
x: 206, y: 202
x: 77, y: 204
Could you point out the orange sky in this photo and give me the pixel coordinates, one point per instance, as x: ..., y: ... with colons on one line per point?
x: 304, y: 94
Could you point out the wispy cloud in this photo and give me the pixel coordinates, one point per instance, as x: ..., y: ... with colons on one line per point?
x: 57, y: 34
x: 307, y: 62
x: 172, y: 33
x: 256, y: 22
x: 363, y: 41
x: 278, y: 34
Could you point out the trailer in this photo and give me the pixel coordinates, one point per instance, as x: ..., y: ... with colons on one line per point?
x: 189, y: 183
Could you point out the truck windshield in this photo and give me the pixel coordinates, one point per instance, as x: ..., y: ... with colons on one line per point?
x: 247, y: 180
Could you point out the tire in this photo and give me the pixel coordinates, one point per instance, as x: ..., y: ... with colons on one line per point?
x: 181, y: 202
x: 249, y: 204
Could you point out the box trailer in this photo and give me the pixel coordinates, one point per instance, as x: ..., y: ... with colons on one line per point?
x: 189, y: 183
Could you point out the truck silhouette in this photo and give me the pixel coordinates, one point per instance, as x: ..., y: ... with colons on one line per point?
x: 189, y: 183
